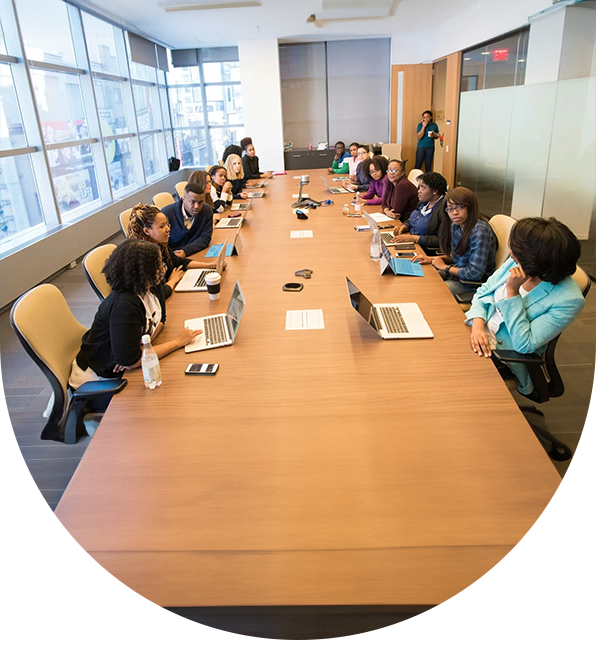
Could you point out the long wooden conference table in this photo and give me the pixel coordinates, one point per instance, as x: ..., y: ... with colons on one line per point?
x: 326, y: 470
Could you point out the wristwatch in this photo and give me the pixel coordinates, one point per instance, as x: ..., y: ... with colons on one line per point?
x: 447, y: 269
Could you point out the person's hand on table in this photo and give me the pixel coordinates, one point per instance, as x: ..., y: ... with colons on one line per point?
x: 405, y: 238
x: 330, y: 170
x: 176, y: 275
x: 268, y: 175
x: 479, y: 339
x: 186, y: 336
x: 244, y: 195
x: 180, y: 253
x: 421, y: 259
x: 394, y: 215
x: 516, y: 278
x: 400, y: 229
x: 119, y: 368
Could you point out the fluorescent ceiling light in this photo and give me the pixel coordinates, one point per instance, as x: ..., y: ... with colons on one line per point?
x: 175, y: 5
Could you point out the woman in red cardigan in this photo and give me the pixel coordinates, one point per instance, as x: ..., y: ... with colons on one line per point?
x: 401, y: 196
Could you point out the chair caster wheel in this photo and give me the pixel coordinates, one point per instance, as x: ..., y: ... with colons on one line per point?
x: 560, y: 452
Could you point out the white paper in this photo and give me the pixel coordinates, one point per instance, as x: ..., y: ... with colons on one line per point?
x: 309, y: 319
x: 298, y: 209
x: 301, y: 233
x: 295, y: 195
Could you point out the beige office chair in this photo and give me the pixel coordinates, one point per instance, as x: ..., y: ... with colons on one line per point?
x: 124, y: 220
x: 413, y: 175
x: 93, y: 264
x: 180, y: 188
x: 391, y: 150
x: 51, y: 336
x: 161, y: 200
x: 502, y: 225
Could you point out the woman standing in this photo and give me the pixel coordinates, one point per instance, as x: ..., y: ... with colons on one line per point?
x: 470, y: 241
x: 401, y: 196
x: 427, y: 131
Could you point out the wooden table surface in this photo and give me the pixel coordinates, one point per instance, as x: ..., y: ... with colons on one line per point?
x: 317, y: 467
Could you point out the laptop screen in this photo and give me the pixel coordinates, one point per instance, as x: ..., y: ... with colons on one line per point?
x: 373, y: 223
x: 235, y: 309
x: 360, y: 302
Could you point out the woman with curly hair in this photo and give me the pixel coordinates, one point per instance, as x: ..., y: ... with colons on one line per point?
x: 531, y: 298
x: 135, y: 307
x: 469, y: 240
x: 148, y: 223
x: 235, y: 175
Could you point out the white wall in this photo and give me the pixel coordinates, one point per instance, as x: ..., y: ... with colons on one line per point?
x: 458, y: 25
x: 261, y: 93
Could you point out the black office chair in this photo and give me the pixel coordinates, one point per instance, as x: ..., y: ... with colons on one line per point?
x: 547, y: 382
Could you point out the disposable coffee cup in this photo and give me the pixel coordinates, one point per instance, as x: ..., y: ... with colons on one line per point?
x: 430, y: 132
x: 213, y: 281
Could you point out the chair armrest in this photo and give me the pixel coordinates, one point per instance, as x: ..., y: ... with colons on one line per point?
x: 465, y: 298
x: 97, y: 388
x: 512, y: 356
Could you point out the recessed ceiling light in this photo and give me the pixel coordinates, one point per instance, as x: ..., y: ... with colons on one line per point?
x: 467, y: 58
x: 521, y: 60
x: 485, y: 53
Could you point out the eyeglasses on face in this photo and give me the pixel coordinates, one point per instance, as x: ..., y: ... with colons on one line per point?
x: 455, y: 207
x: 393, y: 170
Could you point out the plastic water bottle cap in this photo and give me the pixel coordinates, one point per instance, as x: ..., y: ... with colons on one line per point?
x: 146, y: 339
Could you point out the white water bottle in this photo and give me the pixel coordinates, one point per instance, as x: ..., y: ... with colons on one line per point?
x: 150, y: 364
x: 358, y: 203
x: 375, y: 245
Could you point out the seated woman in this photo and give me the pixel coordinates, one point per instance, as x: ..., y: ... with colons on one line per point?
x: 250, y: 164
x: 340, y: 164
x: 375, y: 170
x: 468, y: 238
x: 531, y: 298
x: 235, y: 175
x: 221, y: 189
x: 401, y: 196
x: 352, y: 159
x: 231, y: 149
x: 424, y: 222
x: 203, y: 180
x: 148, y: 223
x: 359, y: 182
x: 135, y: 307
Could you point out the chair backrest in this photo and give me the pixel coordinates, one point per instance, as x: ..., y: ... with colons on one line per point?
x: 93, y: 264
x: 124, y: 220
x: 161, y: 200
x: 413, y: 175
x: 50, y: 334
x: 580, y: 277
x: 391, y: 150
x: 180, y: 188
x: 502, y: 225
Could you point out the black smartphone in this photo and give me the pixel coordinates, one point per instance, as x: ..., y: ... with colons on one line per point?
x: 406, y: 255
x: 201, y: 369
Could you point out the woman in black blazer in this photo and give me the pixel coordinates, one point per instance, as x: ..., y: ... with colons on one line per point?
x: 135, y: 307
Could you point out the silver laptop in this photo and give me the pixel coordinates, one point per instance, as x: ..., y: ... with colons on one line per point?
x: 240, y: 206
x: 335, y: 189
x: 194, y: 279
x: 390, y: 321
x: 230, y: 223
x: 255, y: 194
x: 385, y: 236
x: 218, y: 330
x: 256, y: 185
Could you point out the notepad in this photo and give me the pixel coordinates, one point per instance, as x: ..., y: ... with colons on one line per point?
x: 379, y: 217
x: 214, y: 250
x: 301, y: 233
x: 308, y: 319
x: 295, y: 195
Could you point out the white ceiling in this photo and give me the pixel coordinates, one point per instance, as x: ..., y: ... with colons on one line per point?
x: 280, y: 19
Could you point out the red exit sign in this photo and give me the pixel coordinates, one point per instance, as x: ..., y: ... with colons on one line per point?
x: 501, y: 55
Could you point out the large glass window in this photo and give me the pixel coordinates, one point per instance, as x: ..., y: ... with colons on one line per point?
x: 224, y: 105
x: 186, y: 106
x: 191, y: 147
x: 120, y: 164
x: 45, y: 27
x: 110, y: 104
x: 227, y: 71
x: 20, y: 207
x: 496, y: 64
x: 144, y: 107
x: 151, y: 155
x: 12, y: 132
x: 101, y: 45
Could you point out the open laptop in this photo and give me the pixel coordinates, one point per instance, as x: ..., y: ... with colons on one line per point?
x: 256, y: 185
x: 229, y: 223
x: 335, y: 189
x: 194, y: 279
x: 390, y: 321
x: 255, y: 194
x: 397, y: 265
x: 218, y: 330
x: 240, y: 206
x: 385, y: 236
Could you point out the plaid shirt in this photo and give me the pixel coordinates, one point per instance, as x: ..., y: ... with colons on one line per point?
x: 478, y: 262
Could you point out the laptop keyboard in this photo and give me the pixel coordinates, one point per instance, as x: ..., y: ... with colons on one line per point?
x: 234, y: 222
x: 200, y: 283
x: 215, y: 330
x: 393, y: 319
x: 386, y: 237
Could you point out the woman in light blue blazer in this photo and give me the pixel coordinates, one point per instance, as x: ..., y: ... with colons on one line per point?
x: 531, y: 298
